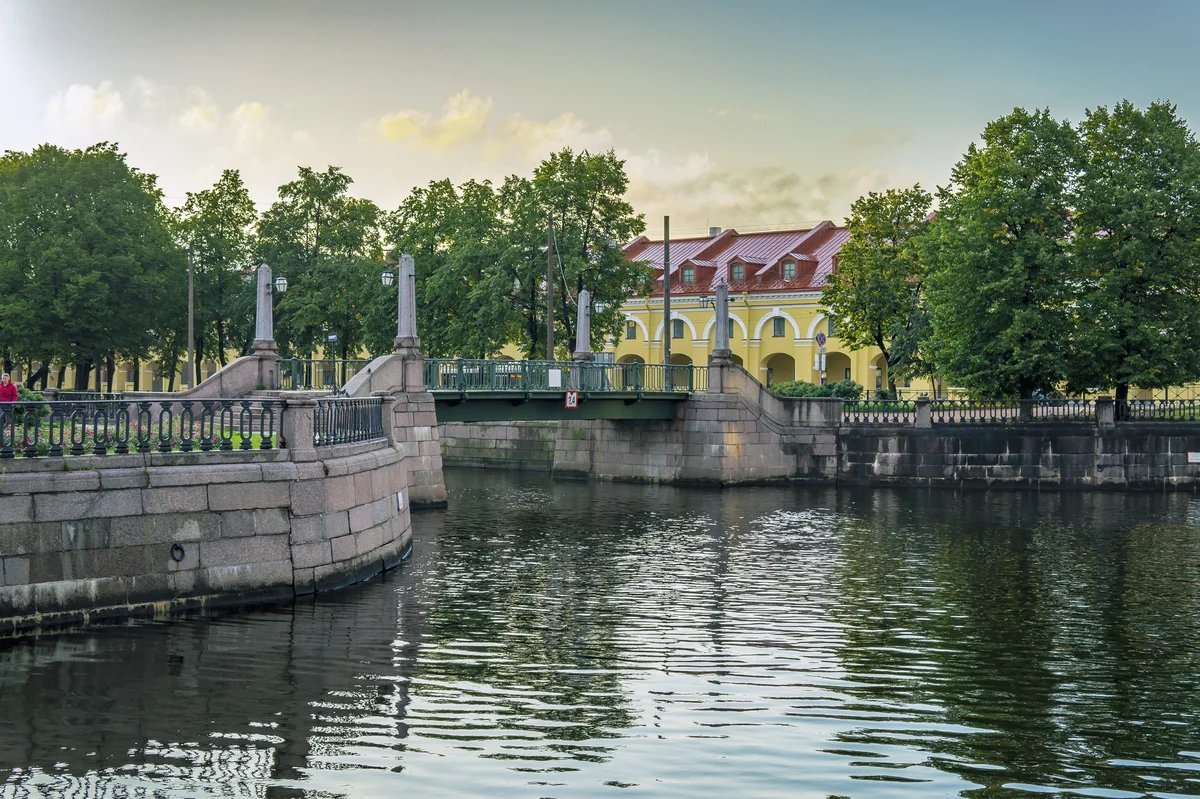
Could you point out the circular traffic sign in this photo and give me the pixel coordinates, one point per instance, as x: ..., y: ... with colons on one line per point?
x: 820, y: 339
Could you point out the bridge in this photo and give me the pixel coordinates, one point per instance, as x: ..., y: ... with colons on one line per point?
x: 504, y: 390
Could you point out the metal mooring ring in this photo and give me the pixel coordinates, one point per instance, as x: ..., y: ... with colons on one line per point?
x: 177, y: 553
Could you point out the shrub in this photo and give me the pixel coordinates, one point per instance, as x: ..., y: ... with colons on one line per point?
x: 846, y: 389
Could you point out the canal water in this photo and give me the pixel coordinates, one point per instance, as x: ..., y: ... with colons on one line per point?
x: 551, y: 639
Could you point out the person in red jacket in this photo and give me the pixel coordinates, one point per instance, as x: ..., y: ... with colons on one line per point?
x: 8, y: 389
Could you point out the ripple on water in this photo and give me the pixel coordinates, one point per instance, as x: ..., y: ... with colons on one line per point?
x: 563, y: 639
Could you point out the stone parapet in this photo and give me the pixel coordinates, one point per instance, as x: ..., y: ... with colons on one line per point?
x: 98, y: 537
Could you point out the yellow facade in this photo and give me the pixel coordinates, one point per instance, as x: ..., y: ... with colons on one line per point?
x: 774, y: 336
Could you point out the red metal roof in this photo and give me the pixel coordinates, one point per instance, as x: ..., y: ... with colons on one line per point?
x: 813, y: 249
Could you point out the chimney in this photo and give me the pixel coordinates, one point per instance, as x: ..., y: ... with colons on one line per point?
x: 713, y: 232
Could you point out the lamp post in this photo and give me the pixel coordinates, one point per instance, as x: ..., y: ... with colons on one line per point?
x: 191, y: 341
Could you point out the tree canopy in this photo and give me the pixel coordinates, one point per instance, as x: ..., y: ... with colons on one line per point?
x: 998, y: 258
x: 88, y: 267
x: 1137, y: 248
x: 875, y: 291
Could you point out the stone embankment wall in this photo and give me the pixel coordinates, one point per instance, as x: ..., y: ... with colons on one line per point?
x: 95, y: 537
x: 743, y: 434
x: 740, y: 433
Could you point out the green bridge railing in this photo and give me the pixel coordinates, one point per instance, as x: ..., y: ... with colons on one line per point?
x: 478, y: 375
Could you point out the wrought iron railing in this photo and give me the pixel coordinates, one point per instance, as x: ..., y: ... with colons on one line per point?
x: 310, y: 373
x: 480, y: 375
x: 1003, y: 412
x: 878, y: 411
x: 117, y: 427
x: 343, y: 420
x: 1187, y: 410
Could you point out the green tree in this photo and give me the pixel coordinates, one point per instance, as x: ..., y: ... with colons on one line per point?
x: 585, y: 192
x: 463, y: 293
x: 328, y: 245
x: 217, y: 225
x: 88, y: 270
x: 1137, y: 245
x: 999, y: 281
x: 875, y: 292
x: 481, y: 256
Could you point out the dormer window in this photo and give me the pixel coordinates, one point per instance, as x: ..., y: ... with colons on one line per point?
x: 689, y: 275
x: 737, y: 272
x: 789, y: 270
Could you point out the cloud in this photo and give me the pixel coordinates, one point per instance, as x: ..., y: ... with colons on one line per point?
x: 464, y: 118
x: 84, y: 108
x: 200, y: 118
x: 530, y: 137
x: 248, y: 123
x: 696, y: 192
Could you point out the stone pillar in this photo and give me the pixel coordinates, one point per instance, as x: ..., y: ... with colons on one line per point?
x: 722, y: 321
x: 264, y: 319
x: 1106, y: 412
x: 299, y: 423
x: 406, y: 306
x: 583, y: 327
x: 924, y: 416
x: 720, y: 360
x: 408, y: 346
x: 264, y: 331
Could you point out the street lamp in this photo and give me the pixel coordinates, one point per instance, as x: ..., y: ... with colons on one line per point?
x: 281, y: 284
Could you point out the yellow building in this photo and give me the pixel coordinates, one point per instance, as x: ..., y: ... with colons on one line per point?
x: 778, y: 329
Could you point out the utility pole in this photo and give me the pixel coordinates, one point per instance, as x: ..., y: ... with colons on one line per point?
x: 667, y: 291
x: 549, y: 286
x: 191, y: 369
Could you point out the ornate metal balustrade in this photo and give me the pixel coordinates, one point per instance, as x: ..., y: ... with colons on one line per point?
x: 1159, y: 411
x: 119, y: 427
x: 1003, y: 412
x: 480, y: 375
x: 343, y: 420
x: 310, y: 373
x: 878, y: 412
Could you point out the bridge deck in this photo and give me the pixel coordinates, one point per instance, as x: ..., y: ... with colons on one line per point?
x: 476, y: 390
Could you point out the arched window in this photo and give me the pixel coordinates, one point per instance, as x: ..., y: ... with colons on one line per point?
x: 676, y: 328
x: 631, y: 331
x: 778, y: 327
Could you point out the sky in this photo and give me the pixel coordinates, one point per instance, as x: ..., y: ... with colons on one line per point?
x: 755, y: 115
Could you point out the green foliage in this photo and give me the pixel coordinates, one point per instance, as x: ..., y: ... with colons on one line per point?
x: 217, y: 225
x: 1137, y: 246
x: 999, y: 273
x: 846, y: 389
x: 88, y: 268
x: 875, y: 291
x: 328, y: 246
x: 481, y: 255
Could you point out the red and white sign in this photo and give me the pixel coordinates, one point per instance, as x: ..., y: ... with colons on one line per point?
x: 571, y: 400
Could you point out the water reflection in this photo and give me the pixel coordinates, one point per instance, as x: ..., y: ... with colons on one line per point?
x: 574, y: 639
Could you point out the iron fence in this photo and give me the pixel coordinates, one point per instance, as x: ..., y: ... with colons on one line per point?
x: 1183, y: 410
x: 483, y: 375
x: 316, y: 373
x: 117, y: 427
x: 1003, y: 412
x: 878, y: 412
x: 343, y: 420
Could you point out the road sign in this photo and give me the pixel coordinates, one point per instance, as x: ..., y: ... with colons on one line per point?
x: 571, y: 400
x: 820, y: 339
